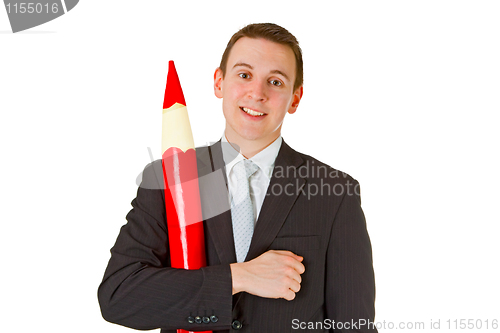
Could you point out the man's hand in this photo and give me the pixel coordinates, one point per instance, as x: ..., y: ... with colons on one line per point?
x: 274, y: 274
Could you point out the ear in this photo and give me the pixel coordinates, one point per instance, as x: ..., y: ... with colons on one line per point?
x: 218, y: 81
x: 297, y: 96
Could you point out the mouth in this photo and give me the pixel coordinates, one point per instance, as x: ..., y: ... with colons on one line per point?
x: 252, y: 112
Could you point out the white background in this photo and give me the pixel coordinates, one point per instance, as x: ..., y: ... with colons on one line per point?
x: 402, y: 95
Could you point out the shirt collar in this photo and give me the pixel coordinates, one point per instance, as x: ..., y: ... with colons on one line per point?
x: 264, y: 159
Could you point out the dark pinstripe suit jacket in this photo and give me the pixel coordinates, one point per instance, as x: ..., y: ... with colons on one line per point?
x: 310, y: 209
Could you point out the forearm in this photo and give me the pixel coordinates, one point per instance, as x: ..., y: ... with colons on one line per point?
x: 145, y: 297
x: 237, y: 277
x: 141, y: 290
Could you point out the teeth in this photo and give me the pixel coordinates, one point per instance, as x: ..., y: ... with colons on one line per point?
x: 252, y: 112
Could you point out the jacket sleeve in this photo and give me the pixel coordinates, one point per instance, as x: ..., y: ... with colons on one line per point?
x: 350, y: 287
x: 140, y: 290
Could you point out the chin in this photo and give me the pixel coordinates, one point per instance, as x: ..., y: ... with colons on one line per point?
x: 248, y: 133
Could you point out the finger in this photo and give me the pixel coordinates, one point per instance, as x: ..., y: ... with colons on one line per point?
x: 294, y: 286
x: 296, y: 265
x: 295, y: 276
x: 299, y: 267
x: 289, y: 254
x: 290, y: 295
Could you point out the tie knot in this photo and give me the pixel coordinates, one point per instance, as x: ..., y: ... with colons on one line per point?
x: 245, y: 169
x: 250, y: 167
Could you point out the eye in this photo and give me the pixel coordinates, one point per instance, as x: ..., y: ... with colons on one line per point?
x: 244, y: 75
x: 276, y: 83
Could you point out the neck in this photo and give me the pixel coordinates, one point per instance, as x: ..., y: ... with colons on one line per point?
x: 249, y: 148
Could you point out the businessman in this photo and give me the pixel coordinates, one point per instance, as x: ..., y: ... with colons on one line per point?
x: 291, y: 252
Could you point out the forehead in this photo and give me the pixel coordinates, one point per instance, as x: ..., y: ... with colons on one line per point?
x: 262, y: 54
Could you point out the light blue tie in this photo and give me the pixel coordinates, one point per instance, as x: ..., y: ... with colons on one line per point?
x: 242, y: 209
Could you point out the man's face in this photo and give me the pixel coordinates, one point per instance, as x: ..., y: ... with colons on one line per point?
x: 257, y: 90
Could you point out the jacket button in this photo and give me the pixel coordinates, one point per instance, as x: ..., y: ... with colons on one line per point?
x: 206, y: 320
x: 214, y: 319
x: 236, y: 325
x: 190, y: 319
x: 197, y: 319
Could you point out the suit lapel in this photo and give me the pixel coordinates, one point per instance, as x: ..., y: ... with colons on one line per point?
x: 220, y: 227
x: 277, y: 203
x: 275, y: 208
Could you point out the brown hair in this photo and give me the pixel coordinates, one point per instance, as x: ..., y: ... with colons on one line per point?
x: 274, y: 33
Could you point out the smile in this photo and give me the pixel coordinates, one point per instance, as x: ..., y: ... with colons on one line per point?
x: 252, y: 112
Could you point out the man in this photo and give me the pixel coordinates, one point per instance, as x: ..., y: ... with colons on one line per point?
x: 309, y: 262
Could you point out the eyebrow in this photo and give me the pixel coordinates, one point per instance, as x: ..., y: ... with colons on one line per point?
x: 281, y: 73
x: 275, y: 71
x: 243, y: 64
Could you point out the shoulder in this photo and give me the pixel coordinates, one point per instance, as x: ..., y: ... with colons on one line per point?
x: 316, y: 170
x: 152, y: 175
x: 325, y: 183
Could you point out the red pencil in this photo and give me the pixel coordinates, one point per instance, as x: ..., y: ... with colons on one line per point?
x: 182, y: 195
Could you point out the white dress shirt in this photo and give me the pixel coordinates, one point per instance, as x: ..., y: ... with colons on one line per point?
x: 259, y: 181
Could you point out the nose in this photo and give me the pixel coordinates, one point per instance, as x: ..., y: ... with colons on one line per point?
x: 258, y: 90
